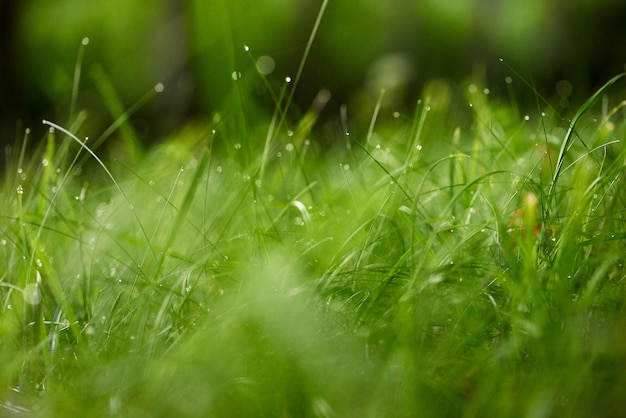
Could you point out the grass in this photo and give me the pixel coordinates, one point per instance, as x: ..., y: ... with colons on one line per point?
x: 248, y: 266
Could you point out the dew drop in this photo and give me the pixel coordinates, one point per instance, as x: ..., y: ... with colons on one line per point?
x: 265, y: 65
x: 289, y: 147
x: 246, y: 48
x: 20, y: 189
x: 508, y: 80
x: 235, y: 75
x: 159, y: 88
x: 238, y: 145
x: 85, y: 41
x: 288, y: 79
x: 526, y: 117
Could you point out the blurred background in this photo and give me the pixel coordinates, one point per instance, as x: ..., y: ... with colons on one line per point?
x: 196, y: 49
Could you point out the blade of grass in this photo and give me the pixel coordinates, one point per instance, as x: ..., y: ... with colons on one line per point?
x: 77, y: 73
x: 110, y: 175
x: 567, y: 140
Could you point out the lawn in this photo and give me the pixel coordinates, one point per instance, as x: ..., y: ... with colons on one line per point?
x: 446, y: 260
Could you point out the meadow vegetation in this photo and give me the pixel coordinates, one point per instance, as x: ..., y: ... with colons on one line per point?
x: 441, y: 261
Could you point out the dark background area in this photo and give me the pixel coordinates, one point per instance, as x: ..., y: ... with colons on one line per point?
x: 194, y: 47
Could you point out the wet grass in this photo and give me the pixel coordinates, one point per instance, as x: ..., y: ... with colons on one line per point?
x: 435, y: 262
x: 407, y: 272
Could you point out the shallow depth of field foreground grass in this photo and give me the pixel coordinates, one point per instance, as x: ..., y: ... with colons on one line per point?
x: 409, y: 267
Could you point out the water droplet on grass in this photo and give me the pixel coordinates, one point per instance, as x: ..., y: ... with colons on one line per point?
x: 20, y: 189
x: 265, y: 65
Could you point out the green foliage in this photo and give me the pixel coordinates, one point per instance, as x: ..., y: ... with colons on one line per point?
x: 250, y: 267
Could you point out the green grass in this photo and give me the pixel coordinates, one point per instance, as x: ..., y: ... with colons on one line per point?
x: 434, y: 263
